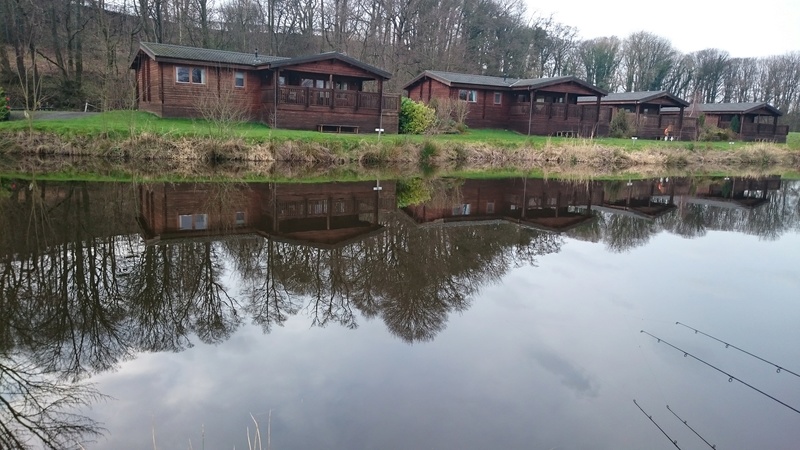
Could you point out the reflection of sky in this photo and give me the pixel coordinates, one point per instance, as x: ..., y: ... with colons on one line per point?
x: 550, y: 358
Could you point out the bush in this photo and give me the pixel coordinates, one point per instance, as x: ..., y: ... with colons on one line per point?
x: 412, y: 192
x: 451, y: 115
x: 415, y: 117
x: 713, y: 134
x: 5, y: 108
x: 620, y: 127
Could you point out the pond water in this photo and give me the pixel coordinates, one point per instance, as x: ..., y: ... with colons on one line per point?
x: 430, y: 313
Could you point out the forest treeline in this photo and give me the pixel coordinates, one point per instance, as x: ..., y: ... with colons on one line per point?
x: 75, y: 51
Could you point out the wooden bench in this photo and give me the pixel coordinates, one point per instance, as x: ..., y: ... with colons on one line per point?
x: 566, y: 133
x: 330, y: 128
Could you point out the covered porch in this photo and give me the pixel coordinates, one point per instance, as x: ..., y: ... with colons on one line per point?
x: 550, y: 107
x: 329, y: 92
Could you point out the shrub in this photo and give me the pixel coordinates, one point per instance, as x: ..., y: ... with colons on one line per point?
x: 620, y: 127
x: 713, y: 134
x: 412, y: 192
x: 5, y: 108
x: 415, y: 117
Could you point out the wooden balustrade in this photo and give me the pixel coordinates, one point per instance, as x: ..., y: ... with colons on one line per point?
x: 333, y: 98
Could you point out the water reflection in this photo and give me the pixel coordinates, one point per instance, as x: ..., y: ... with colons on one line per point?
x: 93, y: 273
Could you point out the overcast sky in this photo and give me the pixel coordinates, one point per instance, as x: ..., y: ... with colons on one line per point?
x: 744, y: 29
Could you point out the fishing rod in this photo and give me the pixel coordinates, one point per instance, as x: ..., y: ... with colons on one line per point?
x: 674, y: 442
x: 693, y: 431
x: 730, y: 377
x: 777, y: 367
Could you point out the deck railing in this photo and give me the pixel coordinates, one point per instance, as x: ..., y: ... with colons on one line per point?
x: 586, y: 113
x: 333, y: 98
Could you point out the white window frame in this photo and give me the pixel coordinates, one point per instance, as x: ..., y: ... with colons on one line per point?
x: 240, y: 218
x: 498, y: 98
x: 468, y: 95
x: 190, y: 71
x: 239, y: 75
x: 195, y: 222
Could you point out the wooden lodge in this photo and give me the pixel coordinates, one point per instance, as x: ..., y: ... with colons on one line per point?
x: 325, y: 92
x: 538, y: 106
x: 758, y: 121
x: 644, y: 113
x: 325, y: 215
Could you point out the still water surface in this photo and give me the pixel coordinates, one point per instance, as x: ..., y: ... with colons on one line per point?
x: 431, y: 314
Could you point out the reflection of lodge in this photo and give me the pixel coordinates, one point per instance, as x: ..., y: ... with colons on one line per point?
x: 543, y: 204
x: 328, y: 214
x: 735, y: 193
x: 645, y: 199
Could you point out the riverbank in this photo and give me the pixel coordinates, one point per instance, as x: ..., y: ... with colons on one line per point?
x: 134, y: 138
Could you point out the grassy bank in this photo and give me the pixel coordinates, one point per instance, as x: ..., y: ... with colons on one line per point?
x: 184, y: 144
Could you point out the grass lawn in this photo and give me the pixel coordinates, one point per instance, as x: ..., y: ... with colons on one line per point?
x: 121, y: 124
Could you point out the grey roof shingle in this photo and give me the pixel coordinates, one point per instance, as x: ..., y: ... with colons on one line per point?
x: 451, y: 78
x: 738, y: 108
x: 180, y: 52
x: 635, y: 97
x: 465, y: 78
x: 157, y: 50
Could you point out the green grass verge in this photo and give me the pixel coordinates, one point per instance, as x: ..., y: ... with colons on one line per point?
x: 122, y: 124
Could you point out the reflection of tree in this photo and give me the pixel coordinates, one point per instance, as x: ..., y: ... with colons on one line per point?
x: 624, y: 232
x: 689, y: 221
x: 267, y: 300
x: 38, y: 409
x: 82, y: 295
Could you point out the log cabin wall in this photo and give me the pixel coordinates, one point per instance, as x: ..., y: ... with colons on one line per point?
x: 148, y: 86
x: 182, y: 99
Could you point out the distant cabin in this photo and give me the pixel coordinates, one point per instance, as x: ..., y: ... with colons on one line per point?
x: 644, y: 113
x: 326, y: 92
x: 758, y: 121
x: 533, y: 106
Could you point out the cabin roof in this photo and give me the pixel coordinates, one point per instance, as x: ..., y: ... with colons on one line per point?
x: 160, y: 51
x: 636, y: 97
x: 733, y: 108
x: 740, y: 108
x: 180, y: 52
x: 465, y: 79
x: 331, y: 55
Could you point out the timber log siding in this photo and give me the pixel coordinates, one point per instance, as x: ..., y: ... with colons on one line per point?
x: 504, y: 103
x: 295, y: 93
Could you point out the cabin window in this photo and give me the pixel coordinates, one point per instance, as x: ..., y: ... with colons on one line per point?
x: 193, y: 221
x: 238, y: 79
x: 498, y: 98
x: 306, y: 82
x: 194, y: 75
x: 490, y: 208
x: 281, y: 81
x: 461, y: 210
x: 185, y: 222
x: 240, y: 218
x: 468, y: 95
x: 341, y: 85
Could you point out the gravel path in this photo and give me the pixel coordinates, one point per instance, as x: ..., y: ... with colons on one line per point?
x: 52, y: 115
